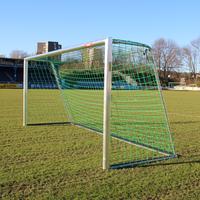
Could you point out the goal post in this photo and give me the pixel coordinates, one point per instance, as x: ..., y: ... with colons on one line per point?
x: 25, y: 90
x: 107, y: 102
x: 110, y: 87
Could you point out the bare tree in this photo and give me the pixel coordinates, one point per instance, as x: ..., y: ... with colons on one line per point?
x: 167, y: 56
x: 196, y: 44
x: 190, y: 59
x: 18, y: 54
x: 158, y: 47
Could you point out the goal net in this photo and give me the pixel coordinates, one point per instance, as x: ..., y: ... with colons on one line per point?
x: 110, y: 87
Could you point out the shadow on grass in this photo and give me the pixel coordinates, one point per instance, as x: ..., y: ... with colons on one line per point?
x: 156, y: 163
x: 50, y: 124
x: 176, y: 162
x: 186, y: 122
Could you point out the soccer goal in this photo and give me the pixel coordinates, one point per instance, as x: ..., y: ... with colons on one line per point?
x: 110, y: 87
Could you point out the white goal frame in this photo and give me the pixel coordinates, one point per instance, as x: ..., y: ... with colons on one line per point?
x: 109, y: 47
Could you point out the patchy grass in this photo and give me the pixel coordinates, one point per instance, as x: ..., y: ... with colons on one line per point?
x: 64, y: 162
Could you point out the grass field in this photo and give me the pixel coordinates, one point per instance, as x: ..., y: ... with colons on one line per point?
x: 64, y: 162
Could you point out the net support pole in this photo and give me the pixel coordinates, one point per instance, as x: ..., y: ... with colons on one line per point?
x: 60, y: 89
x: 25, y: 90
x: 107, y: 102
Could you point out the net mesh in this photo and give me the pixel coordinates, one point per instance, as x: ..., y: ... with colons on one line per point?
x: 138, y: 118
x: 69, y: 87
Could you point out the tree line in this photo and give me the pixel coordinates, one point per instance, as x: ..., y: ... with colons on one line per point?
x: 172, y: 60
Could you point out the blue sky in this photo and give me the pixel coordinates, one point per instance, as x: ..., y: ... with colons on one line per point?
x: 71, y: 22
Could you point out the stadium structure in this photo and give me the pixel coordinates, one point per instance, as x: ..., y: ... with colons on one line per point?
x: 11, y: 69
x: 11, y: 72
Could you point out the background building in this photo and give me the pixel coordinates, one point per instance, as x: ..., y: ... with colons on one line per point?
x: 44, y: 47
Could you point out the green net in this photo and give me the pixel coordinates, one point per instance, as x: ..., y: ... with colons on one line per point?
x: 139, y: 123
x: 69, y: 87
